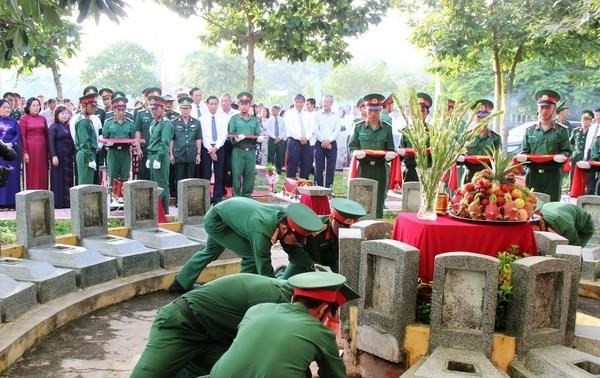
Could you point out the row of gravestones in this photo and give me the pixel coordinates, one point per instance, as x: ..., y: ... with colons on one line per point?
x: 541, y: 313
x: 50, y: 270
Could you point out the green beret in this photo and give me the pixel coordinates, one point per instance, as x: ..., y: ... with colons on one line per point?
x: 244, y: 96
x: 89, y: 88
x: 302, y: 220
x: 346, y: 211
x: 547, y: 97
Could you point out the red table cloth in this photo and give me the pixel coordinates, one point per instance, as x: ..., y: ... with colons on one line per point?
x: 319, y: 204
x: 579, y: 177
x: 447, y: 234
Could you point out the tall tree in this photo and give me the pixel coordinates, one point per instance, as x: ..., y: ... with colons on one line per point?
x: 353, y: 82
x: 295, y: 29
x: 124, y: 66
x: 213, y: 72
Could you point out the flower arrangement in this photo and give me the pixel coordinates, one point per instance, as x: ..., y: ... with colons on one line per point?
x: 272, y: 176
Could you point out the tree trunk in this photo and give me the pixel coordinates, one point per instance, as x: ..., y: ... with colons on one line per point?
x: 250, y: 64
x: 56, y: 75
x: 498, y: 90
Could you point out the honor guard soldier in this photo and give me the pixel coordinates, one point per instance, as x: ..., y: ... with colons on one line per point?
x: 161, y: 134
x: 187, y: 141
x: 248, y: 228
x: 119, y: 155
x: 111, y: 114
x: 410, y: 163
x: 245, y: 132
x: 546, y: 137
x: 388, y: 107
x: 86, y: 142
x: 322, y: 249
x: 106, y: 95
x: 142, y: 120
x: 169, y: 112
x: 290, y: 336
x: 373, y: 134
x: 486, y: 140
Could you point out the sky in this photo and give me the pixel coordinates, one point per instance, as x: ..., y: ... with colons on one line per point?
x: 171, y: 38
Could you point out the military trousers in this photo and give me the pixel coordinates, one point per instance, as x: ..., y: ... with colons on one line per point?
x: 243, y: 166
x: 300, y: 261
x: 547, y: 181
x: 220, y: 236
x: 85, y: 174
x: 119, y: 163
x: 375, y: 169
x: 176, y: 340
x: 161, y: 177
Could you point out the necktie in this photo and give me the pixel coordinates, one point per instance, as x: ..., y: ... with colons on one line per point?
x: 302, y: 130
x: 276, y: 128
x: 198, y: 111
x: 213, y: 126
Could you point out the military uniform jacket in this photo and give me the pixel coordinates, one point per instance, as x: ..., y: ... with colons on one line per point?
x: 246, y: 126
x: 85, y: 139
x: 577, y: 140
x: 172, y: 115
x: 555, y: 140
x: 595, y: 155
x: 161, y: 133
x: 570, y: 221
x: 185, y: 137
x: 483, y: 143
x: 110, y: 115
x: 115, y: 130
x: 367, y: 138
x: 142, y: 124
x: 221, y: 304
x: 323, y: 246
x: 280, y: 340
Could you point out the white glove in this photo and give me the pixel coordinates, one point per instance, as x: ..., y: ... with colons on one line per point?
x: 156, y: 164
x: 584, y: 164
x: 92, y: 164
x: 260, y: 139
x: 240, y: 138
x: 559, y: 158
x: 148, y: 164
x: 359, y: 154
x: 460, y: 158
x: 401, y: 151
x: 390, y: 155
x: 521, y: 158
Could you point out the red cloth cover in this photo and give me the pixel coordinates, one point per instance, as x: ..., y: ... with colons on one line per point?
x: 447, y: 234
x: 395, y: 180
x: 319, y: 204
x: 162, y: 218
x: 579, y: 177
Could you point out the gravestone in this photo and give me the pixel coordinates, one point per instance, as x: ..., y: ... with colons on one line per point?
x: 556, y: 361
x: 90, y: 225
x: 349, y: 243
x: 50, y: 282
x: 16, y: 298
x: 572, y: 254
x: 388, y: 289
x: 141, y: 217
x: 374, y: 229
x: 542, y: 197
x: 591, y: 252
x: 463, y: 311
x: 411, y: 196
x: 547, y: 242
x: 193, y: 202
x: 35, y: 230
x: 364, y: 191
x: 591, y: 204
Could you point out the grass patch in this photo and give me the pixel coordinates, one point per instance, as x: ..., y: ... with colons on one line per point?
x: 8, y: 228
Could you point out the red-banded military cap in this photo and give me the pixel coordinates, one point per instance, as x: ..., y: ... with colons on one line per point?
x: 484, y: 107
x: 88, y: 99
x: 302, y: 220
x: 388, y: 101
x: 104, y: 92
x: 424, y: 100
x: 119, y: 101
x: 374, y: 101
x: 451, y: 103
x: 322, y: 286
x: 547, y: 97
x: 156, y: 101
x: 346, y: 211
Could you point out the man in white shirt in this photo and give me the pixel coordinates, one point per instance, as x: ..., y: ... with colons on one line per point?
x: 327, y: 129
x: 300, y: 132
x: 198, y: 107
x: 276, y: 131
x: 214, y: 134
x: 48, y: 113
x: 592, y: 134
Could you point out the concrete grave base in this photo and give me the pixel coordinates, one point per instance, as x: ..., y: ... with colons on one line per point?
x: 556, y: 361
x: 383, y: 345
x: 50, y: 282
x: 92, y: 268
x: 589, y: 289
x: 132, y: 256
x: 174, y: 248
x: 197, y: 233
x: 454, y: 363
x: 591, y: 262
x: 16, y: 298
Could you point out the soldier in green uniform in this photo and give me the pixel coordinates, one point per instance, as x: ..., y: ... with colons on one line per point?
x: 410, y: 163
x: 200, y: 326
x: 484, y: 141
x: 161, y: 134
x: 143, y: 119
x: 546, y: 137
x: 362, y: 109
x: 594, y: 156
x: 562, y: 112
x: 243, y: 156
x: 388, y: 107
x: 169, y: 112
x: 322, y: 249
x: 86, y: 143
x: 577, y: 140
x: 282, y: 340
x: 566, y: 219
x: 118, y: 127
x: 111, y: 114
x: 373, y: 134
x: 187, y: 141
x: 106, y: 95
x: 248, y: 228
x: 91, y: 89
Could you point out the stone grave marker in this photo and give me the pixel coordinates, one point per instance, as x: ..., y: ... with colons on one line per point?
x: 411, y: 196
x: 50, y: 282
x: 364, y: 191
x: 35, y: 230
x: 547, y: 242
x: 374, y: 229
x: 591, y: 252
x: 141, y: 216
x: 572, y: 254
x: 193, y: 200
x: 350, y: 240
x: 89, y: 220
x: 16, y: 298
x: 388, y: 289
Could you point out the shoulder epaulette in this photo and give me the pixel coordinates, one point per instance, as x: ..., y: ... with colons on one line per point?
x: 560, y: 124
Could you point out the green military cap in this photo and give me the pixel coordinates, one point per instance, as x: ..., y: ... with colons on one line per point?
x: 181, y: 94
x: 105, y: 92
x: 120, y: 101
x: 483, y: 107
x: 374, y: 101
x: 389, y: 100
x: 322, y: 286
x: 587, y: 114
x: 156, y: 101
x: 169, y: 98
x: 244, y: 96
x: 451, y: 103
x: 151, y: 90
x: 117, y: 94
x: 424, y: 99
x: 88, y: 99
x: 547, y: 97
x: 302, y: 220
x: 346, y: 211
x: 345, y: 293
x: 185, y: 102
x: 562, y: 105
x: 89, y: 89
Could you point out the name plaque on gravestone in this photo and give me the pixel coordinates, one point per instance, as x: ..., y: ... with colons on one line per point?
x: 546, y: 300
x: 92, y: 210
x: 379, y: 296
x: 363, y: 194
x: 196, y: 202
x: 39, y: 214
x: 144, y: 209
x: 463, y: 299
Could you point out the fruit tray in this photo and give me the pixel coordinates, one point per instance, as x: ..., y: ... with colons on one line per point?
x: 484, y: 221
